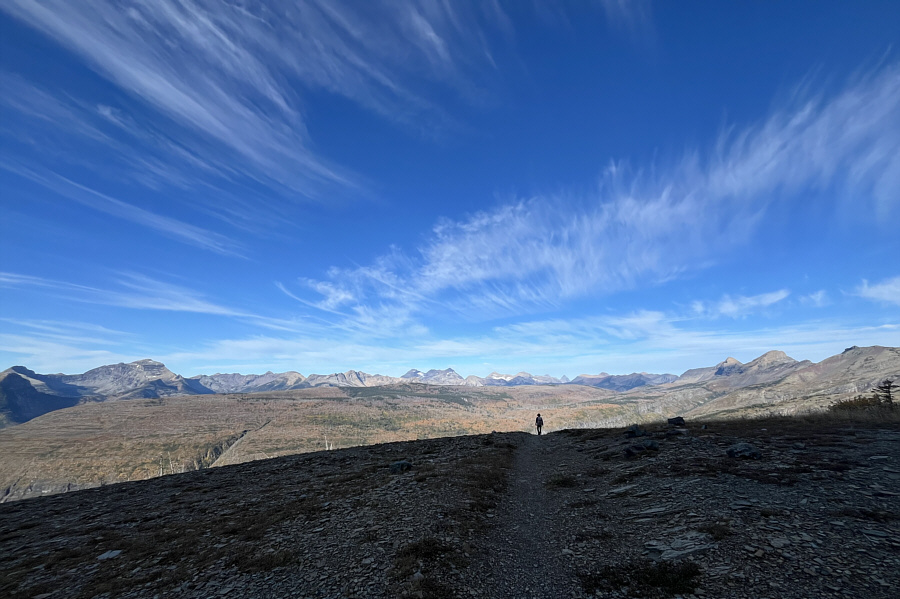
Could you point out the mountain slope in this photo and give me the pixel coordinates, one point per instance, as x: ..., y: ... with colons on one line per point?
x: 622, y: 382
x: 243, y: 383
x: 772, y: 383
x: 22, y: 400
x: 132, y: 378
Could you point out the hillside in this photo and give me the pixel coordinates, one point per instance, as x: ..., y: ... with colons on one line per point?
x: 103, y: 442
x: 577, y: 513
x: 116, y: 441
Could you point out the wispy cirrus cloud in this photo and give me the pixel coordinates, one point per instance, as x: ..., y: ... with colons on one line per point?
x: 133, y: 291
x: 644, y: 227
x: 887, y: 291
x: 68, y: 330
x: 816, y: 299
x: 47, y: 345
x: 648, y: 340
x: 225, y: 82
x: 168, y: 226
x: 739, y: 306
x: 50, y: 355
x: 141, y: 292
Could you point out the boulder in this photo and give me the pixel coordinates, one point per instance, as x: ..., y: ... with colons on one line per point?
x: 634, y: 431
x: 648, y: 445
x: 401, y: 466
x: 744, y: 451
x: 677, y: 421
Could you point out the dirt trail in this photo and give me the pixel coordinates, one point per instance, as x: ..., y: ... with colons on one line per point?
x: 525, y: 557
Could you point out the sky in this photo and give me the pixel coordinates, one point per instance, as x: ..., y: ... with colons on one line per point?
x: 566, y: 188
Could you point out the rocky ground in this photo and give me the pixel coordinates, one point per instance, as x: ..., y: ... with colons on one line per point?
x: 575, y: 513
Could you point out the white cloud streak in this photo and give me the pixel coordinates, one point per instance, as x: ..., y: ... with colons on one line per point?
x: 140, y: 292
x: 739, y: 306
x: 816, y: 299
x: 49, y: 355
x: 887, y: 291
x: 170, y: 227
x: 537, y: 254
x: 134, y: 291
x: 234, y: 75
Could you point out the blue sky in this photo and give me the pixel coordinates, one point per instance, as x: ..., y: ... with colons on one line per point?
x: 318, y: 186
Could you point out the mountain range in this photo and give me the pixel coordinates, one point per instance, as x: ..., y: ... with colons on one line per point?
x: 25, y: 394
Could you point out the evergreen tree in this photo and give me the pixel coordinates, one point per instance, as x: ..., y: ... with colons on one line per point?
x: 885, y: 392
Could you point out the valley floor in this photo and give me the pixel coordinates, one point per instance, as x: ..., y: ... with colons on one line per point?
x: 569, y: 514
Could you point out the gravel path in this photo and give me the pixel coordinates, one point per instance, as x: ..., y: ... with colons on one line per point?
x: 525, y: 557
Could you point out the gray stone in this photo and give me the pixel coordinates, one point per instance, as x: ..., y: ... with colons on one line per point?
x: 779, y: 542
x: 620, y: 490
x: 401, y: 466
x: 641, y: 447
x: 692, y: 543
x: 634, y: 431
x: 677, y: 421
x: 110, y: 554
x: 875, y: 533
x: 744, y: 451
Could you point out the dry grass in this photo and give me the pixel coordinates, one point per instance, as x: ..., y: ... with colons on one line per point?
x: 809, y: 425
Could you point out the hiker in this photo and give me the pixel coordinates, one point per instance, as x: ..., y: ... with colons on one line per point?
x: 539, y: 422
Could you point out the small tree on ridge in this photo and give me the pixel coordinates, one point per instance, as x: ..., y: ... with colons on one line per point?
x: 885, y: 392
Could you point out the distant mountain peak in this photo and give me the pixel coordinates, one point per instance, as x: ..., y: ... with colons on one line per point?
x: 729, y: 366
x: 23, y: 370
x: 773, y: 357
x: 147, y: 362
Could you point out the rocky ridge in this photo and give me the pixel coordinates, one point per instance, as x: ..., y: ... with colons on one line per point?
x: 582, y: 513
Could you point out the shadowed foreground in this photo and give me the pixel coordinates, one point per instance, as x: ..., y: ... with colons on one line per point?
x: 572, y: 514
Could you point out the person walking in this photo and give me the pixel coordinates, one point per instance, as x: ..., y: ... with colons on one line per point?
x: 539, y: 422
